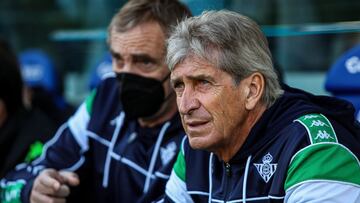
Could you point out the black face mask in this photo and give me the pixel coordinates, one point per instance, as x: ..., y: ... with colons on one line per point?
x: 140, y: 96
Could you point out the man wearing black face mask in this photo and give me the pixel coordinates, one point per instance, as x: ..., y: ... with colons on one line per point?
x: 141, y: 96
x: 122, y: 142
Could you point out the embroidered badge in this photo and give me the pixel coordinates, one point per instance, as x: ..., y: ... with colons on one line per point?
x: 266, y: 169
x: 168, y: 152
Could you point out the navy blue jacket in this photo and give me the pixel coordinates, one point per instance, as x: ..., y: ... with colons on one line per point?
x: 116, y: 159
x: 303, y: 148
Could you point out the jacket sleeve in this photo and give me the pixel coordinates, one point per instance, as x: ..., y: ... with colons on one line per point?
x: 65, y: 151
x: 324, y: 171
x: 176, y: 190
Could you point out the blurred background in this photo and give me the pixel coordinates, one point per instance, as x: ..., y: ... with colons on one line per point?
x: 305, y: 36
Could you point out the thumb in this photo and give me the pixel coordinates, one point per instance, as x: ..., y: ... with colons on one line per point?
x: 70, y: 178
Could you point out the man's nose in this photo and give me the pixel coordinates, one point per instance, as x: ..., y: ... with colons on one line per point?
x: 188, y: 102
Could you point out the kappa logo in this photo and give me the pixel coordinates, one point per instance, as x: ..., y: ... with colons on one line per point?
x: 266, y: 169
x: 167, y: 153
x: 318, y: 123
x: 323, y: 135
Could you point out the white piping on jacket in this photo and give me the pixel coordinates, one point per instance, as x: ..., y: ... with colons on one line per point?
x: 119, y: 124
x: 246, y: 173
x: 154, y: 156
x: 245, y: 177
x: 210, y: 177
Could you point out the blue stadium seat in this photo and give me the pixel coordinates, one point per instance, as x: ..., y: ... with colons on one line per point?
x: 39, y: 74
x: 38, y: 70
x: 343, y: 78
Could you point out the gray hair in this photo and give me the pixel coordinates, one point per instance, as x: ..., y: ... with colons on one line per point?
x: 230, y: 41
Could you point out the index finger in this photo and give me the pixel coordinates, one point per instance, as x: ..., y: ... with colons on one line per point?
x: 50, y: 179
x: 70, y: 178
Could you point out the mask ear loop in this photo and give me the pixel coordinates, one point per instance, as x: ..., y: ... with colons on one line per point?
x: 167, y: 97
x: 162, y: 82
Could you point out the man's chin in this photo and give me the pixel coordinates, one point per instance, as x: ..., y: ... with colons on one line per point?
x: 198, y: 143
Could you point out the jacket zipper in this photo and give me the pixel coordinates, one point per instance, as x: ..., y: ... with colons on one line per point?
x: 227, y: 177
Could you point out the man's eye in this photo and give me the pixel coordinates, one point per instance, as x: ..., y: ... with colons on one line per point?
x: 119, y: 63
x: 204, y: 82
x: 146, y: 65
x: 179, y: 89
x: 147, y: 62
x: 178, y: 85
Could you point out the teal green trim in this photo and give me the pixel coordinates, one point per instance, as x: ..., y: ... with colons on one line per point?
x: 318, y: 127
x: 89, y: 101
x: 324, y: 161
x: 35, y: 151
x: 11, y: 192
x: 180, y: 166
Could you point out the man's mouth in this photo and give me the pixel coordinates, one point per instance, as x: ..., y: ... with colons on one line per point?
x: 196, y: 125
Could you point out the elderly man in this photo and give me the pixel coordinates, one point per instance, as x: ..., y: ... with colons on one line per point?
x: 248, y: 139
x: 121, y: 143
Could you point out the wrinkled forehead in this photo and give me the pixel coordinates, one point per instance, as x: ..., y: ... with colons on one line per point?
x: 192, y: 65
x: 145, y: 38
x: 197, y: 63
x: 149, y: 28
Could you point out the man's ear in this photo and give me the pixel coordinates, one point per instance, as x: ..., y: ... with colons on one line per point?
x: 255, y: 85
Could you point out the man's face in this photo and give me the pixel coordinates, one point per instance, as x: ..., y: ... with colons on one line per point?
x: 211, y: 105
x: 141, y: 51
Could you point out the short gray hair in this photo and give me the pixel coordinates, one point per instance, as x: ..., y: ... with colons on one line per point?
x: 230, y: 41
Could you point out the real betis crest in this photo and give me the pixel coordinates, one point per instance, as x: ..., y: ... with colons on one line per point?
x: 167, y: 153
x: 266, y: 169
